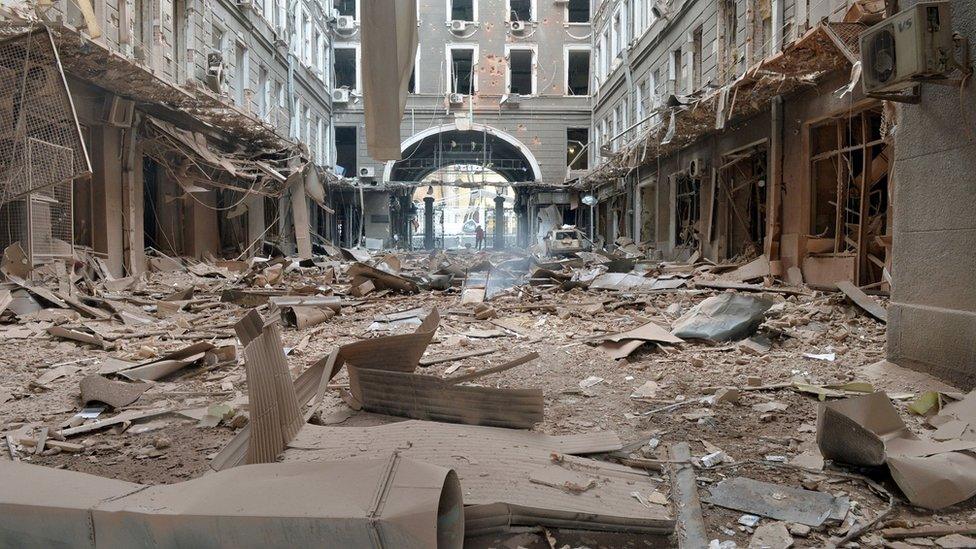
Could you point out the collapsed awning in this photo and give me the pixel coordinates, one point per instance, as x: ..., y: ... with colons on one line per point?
x: 823, y: 49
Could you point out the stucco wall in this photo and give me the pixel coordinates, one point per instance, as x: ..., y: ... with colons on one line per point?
x: 932, y: 317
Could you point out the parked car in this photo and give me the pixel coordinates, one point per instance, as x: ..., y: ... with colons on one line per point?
x: 566, y: 240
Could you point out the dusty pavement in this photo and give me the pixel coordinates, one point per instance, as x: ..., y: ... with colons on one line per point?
x: 655, y: 397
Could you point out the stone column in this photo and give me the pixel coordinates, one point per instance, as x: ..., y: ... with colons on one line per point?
x: 499, y: 223
x: 428, y: 222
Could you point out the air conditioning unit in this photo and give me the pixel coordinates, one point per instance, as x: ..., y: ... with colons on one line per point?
x: 696, y: 168
x: 518, y: 27
x: 913, y: 44
x: 215, y: 71
x: 459, y: 25
x: 455, y: 98
x: 119, y: 112
x: 511, y: 99
x: 367, y: 172
x: 346, y: 23
x: 340, y: 95
x: 245, y: 4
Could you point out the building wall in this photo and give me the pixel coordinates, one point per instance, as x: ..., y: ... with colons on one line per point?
x: 538, y: 122
x: 932, y: 315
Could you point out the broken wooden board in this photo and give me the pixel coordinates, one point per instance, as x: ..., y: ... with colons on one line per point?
x: 495, y: 467
x: 755, y: 269
x: 124, y: 417
x: 863, y: 300
x: 382, y: 279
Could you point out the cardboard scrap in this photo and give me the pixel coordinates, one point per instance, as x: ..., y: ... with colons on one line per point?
x: 14, y: 262
x: 385, y: 502
x: 55, y: 374
x: 867, y: 430
x: 777, y: 501
x: 757, y: 268
x: 621, y: 345
x: 495, y: 467
x: 82, y: 334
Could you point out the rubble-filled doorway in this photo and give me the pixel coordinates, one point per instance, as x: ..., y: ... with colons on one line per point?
x: 687, y: 210
x: 647, y: 200
x: 742, y: 181
x: 849, y: 165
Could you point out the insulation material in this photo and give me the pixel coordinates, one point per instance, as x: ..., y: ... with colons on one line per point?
x: 495, y: 467
x: 275, y: 414
x: 549, y: 218
x: 389, y: 38
x: 724, y: 317
x: 386, y: 502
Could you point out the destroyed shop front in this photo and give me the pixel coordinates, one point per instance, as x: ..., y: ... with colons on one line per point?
x: 788, y: 161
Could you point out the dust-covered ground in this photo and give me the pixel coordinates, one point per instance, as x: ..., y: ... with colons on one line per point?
x: 559, y: 325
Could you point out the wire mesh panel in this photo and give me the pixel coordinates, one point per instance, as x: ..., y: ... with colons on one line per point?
x: 35, y: 109
x: 41, y: 150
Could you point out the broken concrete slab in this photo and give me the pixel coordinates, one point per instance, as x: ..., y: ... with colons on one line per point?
x: 778, y: 501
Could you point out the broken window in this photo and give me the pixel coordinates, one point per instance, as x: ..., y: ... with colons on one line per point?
x: 696, y: 59
x: 578, y: 72
x: 345, y: 7
x: 141, y: 30
x: 462, y: 65
x: 849, y: 191
x: 520, y: 10
x: 578, y: 11
x: 742, y: 184
x: 264, y: 93
x: 576, y: 141
x: 345, y: 143
x: 674, y: 71
x: 616, y: 39
x: 520, y: 69
x: 241, y: 70
x: 179, y: 40
x: 346, y: 68
x: 462, y: 10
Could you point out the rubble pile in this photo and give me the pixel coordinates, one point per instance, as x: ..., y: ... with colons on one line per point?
x: 550, y: 387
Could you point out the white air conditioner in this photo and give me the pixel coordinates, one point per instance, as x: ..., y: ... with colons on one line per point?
x: 345, y: 22
x: 511, y: 99
x: 367, y: 172
x: 518, y: 27
x: 119, y: 112
x: 455, y: 98
x: 459, y: 25
x: 245, y: 4
x: 340, y: 95
x: 215, y: 71
x: 913, y: 44
x: 696, y: 168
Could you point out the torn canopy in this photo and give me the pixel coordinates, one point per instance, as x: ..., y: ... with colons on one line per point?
x: 195, y: 157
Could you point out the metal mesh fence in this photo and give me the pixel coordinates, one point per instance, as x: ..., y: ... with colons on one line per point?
x: 41, y: 151
x: 35, y: 108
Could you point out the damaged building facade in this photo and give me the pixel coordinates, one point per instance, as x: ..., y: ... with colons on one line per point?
x: 204, y: 123
x: 499, y: 100
x: 729, y: 129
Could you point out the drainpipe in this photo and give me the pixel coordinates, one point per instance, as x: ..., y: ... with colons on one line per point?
x: 777, y: 25
x: 773, y: 211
